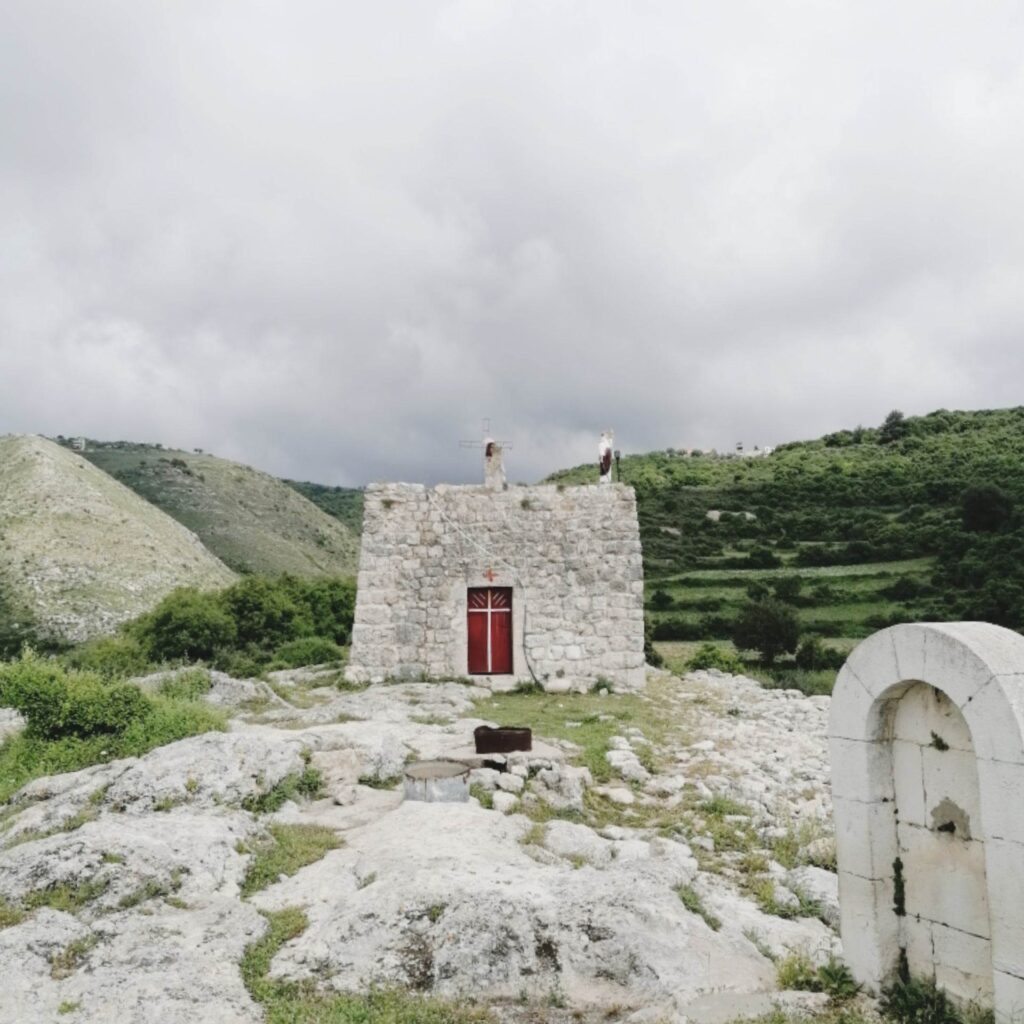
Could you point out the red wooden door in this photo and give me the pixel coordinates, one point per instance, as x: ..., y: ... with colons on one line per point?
x: 489, y: 628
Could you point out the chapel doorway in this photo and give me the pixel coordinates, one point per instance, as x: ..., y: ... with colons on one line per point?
x: 489, y: 630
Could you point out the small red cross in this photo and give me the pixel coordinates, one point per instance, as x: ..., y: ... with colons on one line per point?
x: 489, y: 575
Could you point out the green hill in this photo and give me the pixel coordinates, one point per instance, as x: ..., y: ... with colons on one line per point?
x: 343, y: 503
x: 869, y: 522
x: 252, y: 521
x: 80, y: 553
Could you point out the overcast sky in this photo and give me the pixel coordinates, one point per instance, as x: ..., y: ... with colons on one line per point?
x: 327, y: 238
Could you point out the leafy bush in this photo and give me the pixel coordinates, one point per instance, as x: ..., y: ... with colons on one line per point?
x: 710, y: 656
x: 76, y: 719
x: 918, y: 1001
x: 264, y: 612
x: 798, y: 972
x: 115, y: 657
x: 651, y: 655
x: 250, y: 624
x: 188, y: 624
x: 306, y: 650
x: 57, y: 703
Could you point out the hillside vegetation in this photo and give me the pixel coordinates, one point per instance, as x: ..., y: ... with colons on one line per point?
x: 919, y: 518
x: 79, y: 552
x: 343, y: 503
x: 253, y: 522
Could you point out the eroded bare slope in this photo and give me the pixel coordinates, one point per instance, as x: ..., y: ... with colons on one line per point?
x: 79, y: 552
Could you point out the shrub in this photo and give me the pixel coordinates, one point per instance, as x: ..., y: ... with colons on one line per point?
x: 264, y: 613
x: 307, y: 650
x: 58, y: 703
x: 710, y: 656
x: 651, y: 655
x: 813, y: 655
x: 917, y: 1001
x: 110, y: 656
x: 189, y: 624
x: 76, y: 719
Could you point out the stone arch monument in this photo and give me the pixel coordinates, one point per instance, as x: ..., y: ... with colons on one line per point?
x: 926, y: 735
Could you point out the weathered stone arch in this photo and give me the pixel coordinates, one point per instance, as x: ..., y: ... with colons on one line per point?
x: 960, y: 674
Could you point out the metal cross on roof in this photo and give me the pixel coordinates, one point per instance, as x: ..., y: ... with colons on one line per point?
x: 485, y: 429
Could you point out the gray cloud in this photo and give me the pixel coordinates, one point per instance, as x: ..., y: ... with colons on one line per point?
x: 327, y: 239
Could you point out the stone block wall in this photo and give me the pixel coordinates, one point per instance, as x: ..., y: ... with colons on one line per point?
x: 571, y: 557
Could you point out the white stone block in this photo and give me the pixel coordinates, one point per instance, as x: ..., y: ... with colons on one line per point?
x: 963, y: 964
x: 865, y: 837
x: 944, y: 879
x: 1008, y: 997
x: 916, y: 939
x: 924, y: 713
x: 873, y: 662
x: 908, y: 778
x: 851, y: 711
x: 1002, y: 803
x: 861, y: 770
x: 1004, y: 870
x: 952, y: 775
x: 998, y: 707
x: 868, y: 928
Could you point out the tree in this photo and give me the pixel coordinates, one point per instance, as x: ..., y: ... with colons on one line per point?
x: 985, y: 509
x: 767, y: 626
x: 895, y: 428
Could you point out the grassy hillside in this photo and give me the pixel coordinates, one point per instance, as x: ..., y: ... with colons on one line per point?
x: 252, y: 522
x: 80, y: 553
x: 858, y: 529
x: 343, y: 503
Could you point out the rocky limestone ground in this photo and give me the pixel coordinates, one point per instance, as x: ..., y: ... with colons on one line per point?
x: 648, y: 869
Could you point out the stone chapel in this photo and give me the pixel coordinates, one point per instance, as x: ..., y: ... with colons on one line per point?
x: 504, y: 585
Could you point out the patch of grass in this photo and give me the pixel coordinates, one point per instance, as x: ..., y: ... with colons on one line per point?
x: 24, y: 757
x: 288, y: 1002
x: 290, y: 848
x: 797, y: 972
x: 483, y: 795
x: 68, y: 1007
x: 190, y: 685
x: 308, y: 783
x: 65, y: 896
x: 594, y: 719
x: 790, y: 849
x: 69, y: 959
x: 9, y: 914
x: 693, y: 903
x: 719, y: 806
x: 762, y: 889
x: 151, y: 890
x: 374, y: 782
x: 534, y: 836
